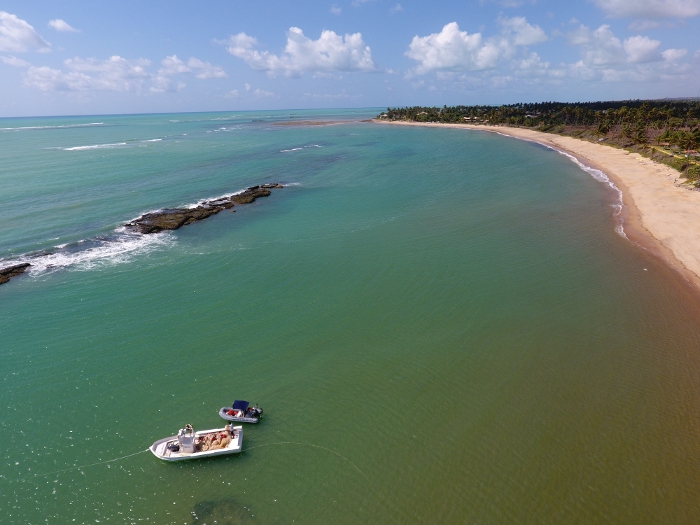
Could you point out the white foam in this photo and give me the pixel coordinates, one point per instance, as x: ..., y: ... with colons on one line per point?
x: 301, y: 148
x: 597, y: 175
x: 95, y: 146
x: 152, y: 140
x: 108, y: 252
x: 54, y: 127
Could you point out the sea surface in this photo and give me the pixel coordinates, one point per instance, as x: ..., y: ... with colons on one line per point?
x: 442, y: 326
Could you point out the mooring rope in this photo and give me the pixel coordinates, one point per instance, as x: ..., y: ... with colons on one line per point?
x: 246, y: 450
x: 91, y: 464
x: 311, y: 445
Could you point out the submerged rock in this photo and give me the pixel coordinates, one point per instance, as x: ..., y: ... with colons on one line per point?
x: 223, y: 512
x: 174, y: 218
x: 12, y: 271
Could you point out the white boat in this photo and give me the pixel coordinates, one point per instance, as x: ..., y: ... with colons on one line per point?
x: 241, y: 412
x: 189, y: 444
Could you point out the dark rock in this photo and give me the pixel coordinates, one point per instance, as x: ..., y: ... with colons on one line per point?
x: 249, y: 195
x: 12, y: 271
x: 174, y: 218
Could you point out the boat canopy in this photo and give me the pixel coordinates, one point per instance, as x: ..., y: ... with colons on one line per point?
x: 240, y: 405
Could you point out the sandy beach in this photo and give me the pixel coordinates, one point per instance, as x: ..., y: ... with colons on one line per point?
x: 657, y: 213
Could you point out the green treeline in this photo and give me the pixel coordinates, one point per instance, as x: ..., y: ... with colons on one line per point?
x: 669, y: 129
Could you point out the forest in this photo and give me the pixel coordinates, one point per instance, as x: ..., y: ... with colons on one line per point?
x: 667, y: 130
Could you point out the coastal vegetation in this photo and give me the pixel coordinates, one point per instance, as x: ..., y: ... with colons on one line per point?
x: 666, y: 131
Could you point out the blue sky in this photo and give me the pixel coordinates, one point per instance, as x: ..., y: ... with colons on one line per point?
x: 62, y: 58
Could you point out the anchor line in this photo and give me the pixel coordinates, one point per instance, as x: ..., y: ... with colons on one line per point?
x: 92, y: 464
x: 311, y: 445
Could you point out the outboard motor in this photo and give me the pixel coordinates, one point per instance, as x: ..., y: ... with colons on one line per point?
x: 257, y: 411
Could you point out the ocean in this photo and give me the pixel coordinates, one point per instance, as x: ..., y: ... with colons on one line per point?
x: 442, y: 326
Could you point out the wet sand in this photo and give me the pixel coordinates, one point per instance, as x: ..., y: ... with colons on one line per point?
x: 658, y: 214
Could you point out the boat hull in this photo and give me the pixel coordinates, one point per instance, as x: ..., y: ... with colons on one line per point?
x: 236, y: 419
x: 160, y: 447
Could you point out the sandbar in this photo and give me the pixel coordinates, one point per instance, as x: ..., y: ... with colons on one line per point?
x: 659, y: 214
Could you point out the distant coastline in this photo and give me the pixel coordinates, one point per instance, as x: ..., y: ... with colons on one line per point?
x: 658, y: 213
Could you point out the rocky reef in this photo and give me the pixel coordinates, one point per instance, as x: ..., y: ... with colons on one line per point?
x: 174, y: 218
x: 12, y: 271
x: 170, y: 219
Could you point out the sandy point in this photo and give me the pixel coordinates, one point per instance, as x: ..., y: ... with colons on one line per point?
x: 659, y: 215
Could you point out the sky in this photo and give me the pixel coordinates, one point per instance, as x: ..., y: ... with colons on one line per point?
x: 89, y: 58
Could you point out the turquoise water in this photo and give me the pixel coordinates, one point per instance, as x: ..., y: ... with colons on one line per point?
x: 441, y: 325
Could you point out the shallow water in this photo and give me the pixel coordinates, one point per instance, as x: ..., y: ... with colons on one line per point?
x: 441, y: 325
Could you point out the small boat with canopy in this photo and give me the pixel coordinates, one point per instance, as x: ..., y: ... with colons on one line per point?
x: 189, y: 444
x: 241, y: 412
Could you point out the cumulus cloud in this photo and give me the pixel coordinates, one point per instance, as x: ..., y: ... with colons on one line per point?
x: 263, y: 94
x: 650, y: 8
x: 163, y: 81
x: 336, y: 10
x: 455, y: 50
x: 62, y: 26
x: 205, y: 70
x: 451, y: 49
x: 642, y: 49
x: 171, y: 66
x: 331, y: 52
x: 398, y: 8
x: 602, y: 48
x: 114, y: 74
x: 523, y: 33
x: 674, y: 55
x: 18, y: 36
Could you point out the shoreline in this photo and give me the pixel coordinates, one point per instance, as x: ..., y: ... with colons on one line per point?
x: 656, y: 214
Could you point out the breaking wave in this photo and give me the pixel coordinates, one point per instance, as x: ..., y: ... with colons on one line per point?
x: 117, y: 248
x: 300, y: 148
x: 95, y: 146
x: 23, y: 128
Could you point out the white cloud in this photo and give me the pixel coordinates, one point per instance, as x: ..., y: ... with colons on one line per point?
x: 451, y: 49
x: 205, y: 69
x: 336, y: 10
x: 522, y: 33
x: 504, y: 3
x: 163, y: 81
x: 14, y: 61
x: 650, y: 8
x: 601, y: 46
x: 331, y: 52
x: 232, y: 94
x: 18, y: 36
x: 247, y: 87
x: 673, y: 55
x: 113, y: 74
x: 263, y: 94
x: 641, y: 49
x: 62, y: 26
x: 398, y: 8
x: 171, y: 66
x: 455, y: 50
x: 532, y: 64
